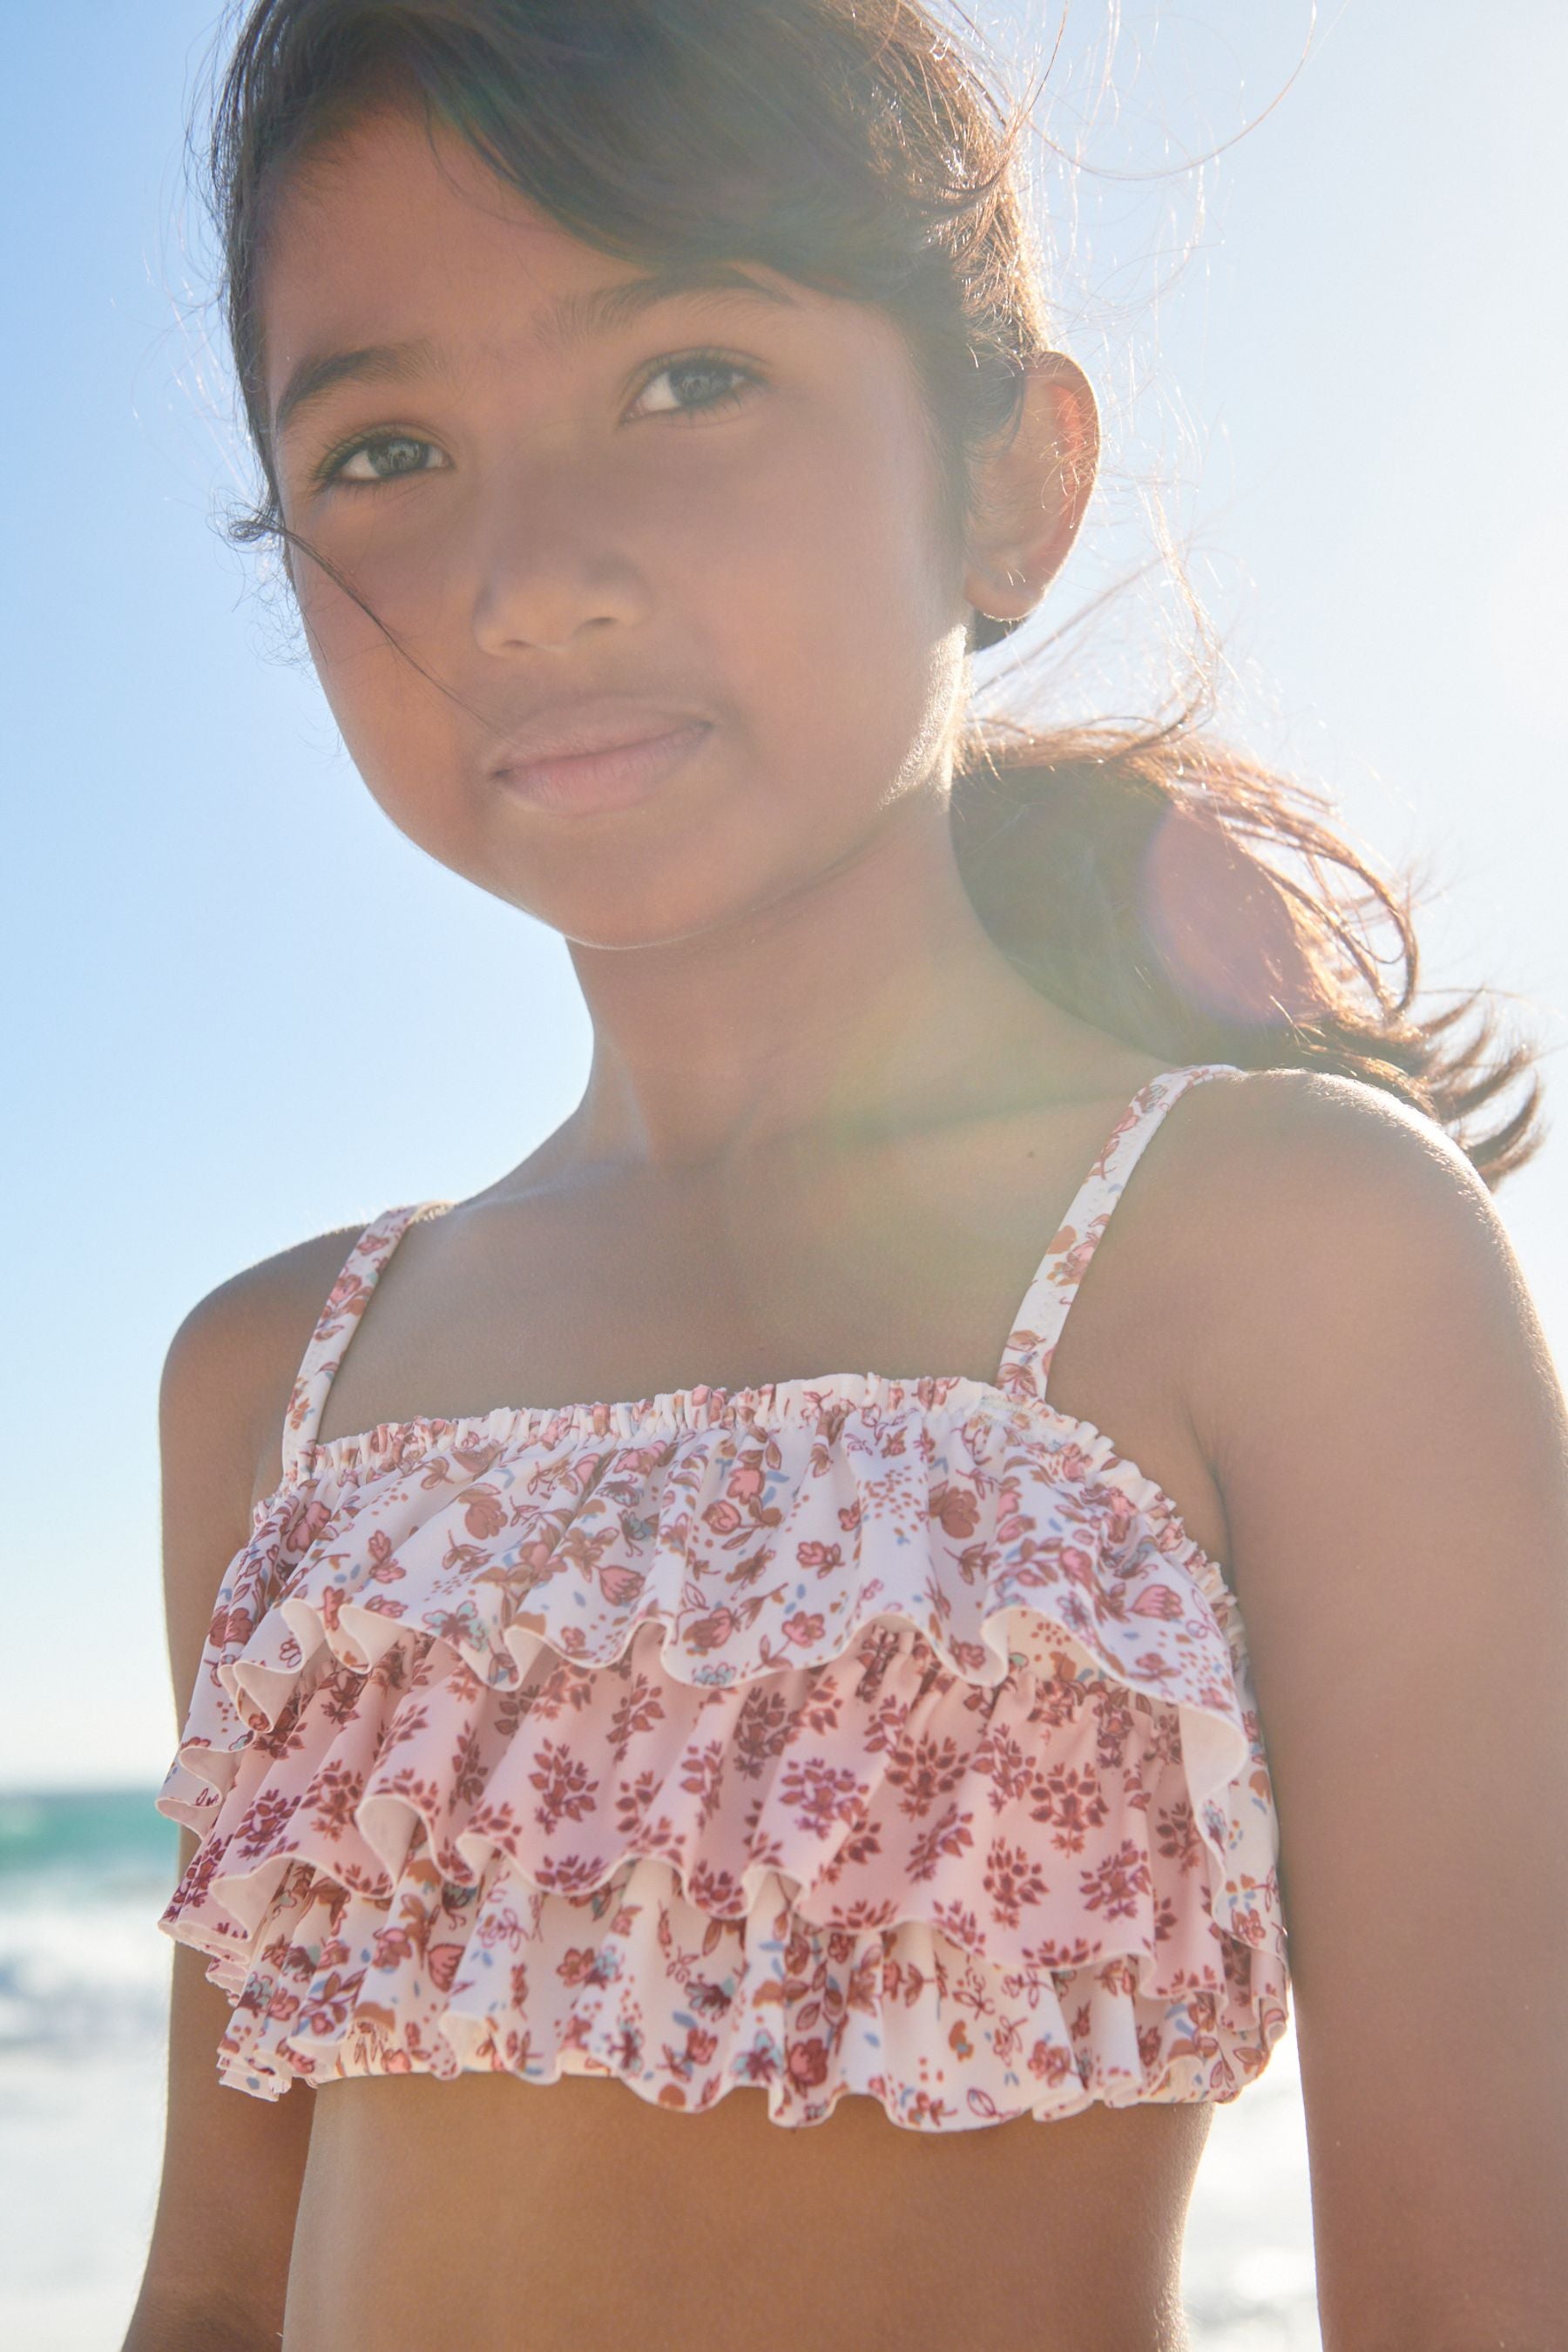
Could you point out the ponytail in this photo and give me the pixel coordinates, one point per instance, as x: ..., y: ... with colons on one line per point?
x: 1135, y: 877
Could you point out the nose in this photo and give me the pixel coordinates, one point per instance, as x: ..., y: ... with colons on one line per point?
x: 550, y: 561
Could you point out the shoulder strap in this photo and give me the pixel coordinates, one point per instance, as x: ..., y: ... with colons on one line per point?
x: 1037, y: 1328
x: 336, y: 1325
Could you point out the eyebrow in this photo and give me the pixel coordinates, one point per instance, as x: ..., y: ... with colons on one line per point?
x: 569, y: 319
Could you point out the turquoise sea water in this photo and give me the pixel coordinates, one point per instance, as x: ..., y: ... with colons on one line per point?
x: 105, y: 1830
x: 84, y: 1991
x: 83, y: 1875
x: 84, y: 1987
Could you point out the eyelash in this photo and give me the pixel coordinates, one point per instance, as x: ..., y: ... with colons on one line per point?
x: 330, y: 475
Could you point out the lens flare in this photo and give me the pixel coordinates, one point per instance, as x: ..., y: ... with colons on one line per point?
x: 1221, y: 925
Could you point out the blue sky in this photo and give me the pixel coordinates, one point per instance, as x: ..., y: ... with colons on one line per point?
x: 249, y: 1009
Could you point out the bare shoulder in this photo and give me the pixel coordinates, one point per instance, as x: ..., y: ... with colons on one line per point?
x: 1340, y: 1143
x: 1317, y: 1214
x: 267, y: 1305
x: 231, y: 1364
x: 226, y: 1378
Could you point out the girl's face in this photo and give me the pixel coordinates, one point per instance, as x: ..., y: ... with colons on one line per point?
x: 723, y: 505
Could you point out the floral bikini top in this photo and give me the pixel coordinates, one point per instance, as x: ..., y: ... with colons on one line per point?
x: 848, y: 1734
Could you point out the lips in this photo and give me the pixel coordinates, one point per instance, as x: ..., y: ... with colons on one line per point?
x: 590, y: 783
x: 570, y: 730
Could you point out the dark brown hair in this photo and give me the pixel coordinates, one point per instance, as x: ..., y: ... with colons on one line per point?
x: 1148, y: 878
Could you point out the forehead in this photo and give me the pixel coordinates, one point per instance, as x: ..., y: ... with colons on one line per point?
x: 384, y: 214
x: 391, y: 230
x: 378, y: 176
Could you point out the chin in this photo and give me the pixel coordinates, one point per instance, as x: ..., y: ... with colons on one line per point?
x: 644, y: 890
x: 642, y: 919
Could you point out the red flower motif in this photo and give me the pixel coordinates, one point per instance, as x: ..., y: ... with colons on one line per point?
x: 442, y: 1962
x: 807, y: 2065
x: 710, y: 1632
x: 1159, y: 1600
x: 956, y: 1510
x: 229, y: 1625
x: 484, y: 1513
x: 303, y: 1525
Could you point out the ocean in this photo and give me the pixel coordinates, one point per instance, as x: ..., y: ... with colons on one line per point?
x: 84, y: 1987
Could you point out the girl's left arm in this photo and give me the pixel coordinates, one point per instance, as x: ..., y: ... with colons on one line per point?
x: 1374, y: 1391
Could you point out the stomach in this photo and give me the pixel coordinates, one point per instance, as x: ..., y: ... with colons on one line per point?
x: 507, y: 2216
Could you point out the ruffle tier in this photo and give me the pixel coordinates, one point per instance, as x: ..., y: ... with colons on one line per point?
x: 902, y: 1747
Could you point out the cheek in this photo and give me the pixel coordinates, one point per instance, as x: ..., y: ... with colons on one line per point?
x: 844, y: 519
x: 841, y: 634
x: 369, y: 661
x: 397, y: 565
x: 396, y: 728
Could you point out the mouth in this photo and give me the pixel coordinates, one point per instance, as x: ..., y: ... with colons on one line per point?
x: 589, y: 784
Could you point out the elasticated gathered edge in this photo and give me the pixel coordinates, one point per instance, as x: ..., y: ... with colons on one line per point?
x: 856, y: 1735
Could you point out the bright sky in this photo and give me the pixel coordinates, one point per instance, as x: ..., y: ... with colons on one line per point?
x: 245, y: 1010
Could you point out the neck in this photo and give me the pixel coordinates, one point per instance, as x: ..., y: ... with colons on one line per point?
x: 849, y: 1008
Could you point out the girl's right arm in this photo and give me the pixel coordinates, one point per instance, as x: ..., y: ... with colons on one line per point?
x: 217, y: 2268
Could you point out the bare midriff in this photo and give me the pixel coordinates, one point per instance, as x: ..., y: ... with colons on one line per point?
x: 497, y: 2215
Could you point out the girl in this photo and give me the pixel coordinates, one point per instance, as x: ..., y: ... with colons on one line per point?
x: 886, y: 1772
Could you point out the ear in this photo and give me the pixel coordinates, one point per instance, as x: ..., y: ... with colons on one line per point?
x: 1032, y: 490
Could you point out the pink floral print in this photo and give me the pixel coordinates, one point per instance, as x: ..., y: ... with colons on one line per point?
x: 845, y: 1736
